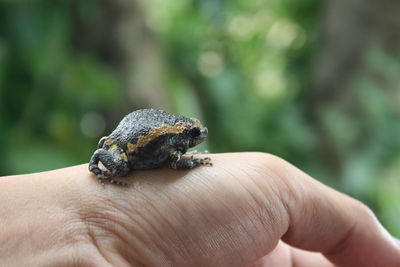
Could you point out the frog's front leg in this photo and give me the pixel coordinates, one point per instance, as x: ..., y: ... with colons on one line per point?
x: 101, y: 141
x: 179, y: 160
x: 115, y: 166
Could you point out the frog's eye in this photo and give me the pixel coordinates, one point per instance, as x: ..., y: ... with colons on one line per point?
x: 195, y: 132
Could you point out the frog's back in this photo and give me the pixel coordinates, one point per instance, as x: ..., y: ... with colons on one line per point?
x: 139, y: 123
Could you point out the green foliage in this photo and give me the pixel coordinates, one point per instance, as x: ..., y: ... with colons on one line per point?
x: 45, y: 88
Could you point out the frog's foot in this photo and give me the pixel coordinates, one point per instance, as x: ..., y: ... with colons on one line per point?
x: 179, y: 161
x: 195, y: 152
x: 107, y: 177
x: 202, y: 161
x: 102, y: 175
x: 116, y: 182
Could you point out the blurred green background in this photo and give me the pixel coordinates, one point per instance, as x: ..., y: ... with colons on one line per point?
x: 315, y: 82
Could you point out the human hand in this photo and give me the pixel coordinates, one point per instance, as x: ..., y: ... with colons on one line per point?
x: 233, y: 214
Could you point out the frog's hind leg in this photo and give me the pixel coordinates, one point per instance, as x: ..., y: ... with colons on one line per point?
x: 94, y: 166
x: 179, y: 161
x: 118, y: 167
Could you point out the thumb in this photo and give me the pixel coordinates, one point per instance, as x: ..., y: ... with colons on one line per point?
x: 342, y: 228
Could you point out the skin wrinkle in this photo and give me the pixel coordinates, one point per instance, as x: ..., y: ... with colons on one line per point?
x: 215, y: 238
x: 206, y: 219
x: 342, y: 225
x: 73, y: 227
x: 196, y: 204
x: 179, y: 250
x: 275, y: 192
x: 188, y: 221
x: 166, y: 222
x: 73, y: 231
x: 109, y: 237
x: 110, y: 217
x: 109, y: 229
x: 259, y: 210
x: 58, y: 237
x: 285, y: 196
x: 156, y: 191
x: 315, y: 205
x: 341, y: 243
x: 177, y: 191
x: 242, y: 227
x: 66, y: 257
x: 307, y: 211
x: 76, y: 227
x: 141, y: 200
x: 245, y: 242
x: 166, y: 259
x: 78, y: 261
x: 293, y: 200
x: 220, y: 235
x: 257, y: 182
x: 283, y: 172
x: 92, y: 238
x: 251, y: 216
x: 159, y: 235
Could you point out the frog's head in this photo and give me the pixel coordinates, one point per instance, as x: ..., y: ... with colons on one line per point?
x: 197, y: 131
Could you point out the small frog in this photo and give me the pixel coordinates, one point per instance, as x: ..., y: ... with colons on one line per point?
x: 147, y: 139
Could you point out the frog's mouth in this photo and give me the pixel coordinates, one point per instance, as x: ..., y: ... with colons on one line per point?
x: 197, y: 135
x: 203, y: 133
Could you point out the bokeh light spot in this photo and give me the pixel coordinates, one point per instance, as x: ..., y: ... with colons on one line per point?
x: 92, y: 124
x: 270, y: 84
x: 240, y: 27
x: 283, y: 33
x: 210, y: 63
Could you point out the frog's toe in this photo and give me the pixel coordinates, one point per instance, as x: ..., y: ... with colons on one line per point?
x: 112, y: 181
x: 107, y: 177
x: 205, y: 161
